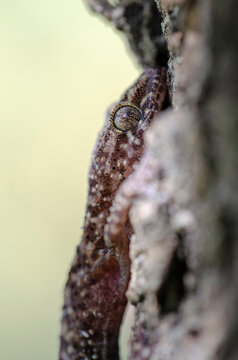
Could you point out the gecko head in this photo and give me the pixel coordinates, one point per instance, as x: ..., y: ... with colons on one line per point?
x: 125, y: 117
x: 141, y: 101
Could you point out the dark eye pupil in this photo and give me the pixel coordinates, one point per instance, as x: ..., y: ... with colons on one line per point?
x: 126, y: 118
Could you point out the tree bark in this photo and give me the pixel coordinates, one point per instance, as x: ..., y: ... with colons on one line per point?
x: 184, y: 256
x: 184, y: 253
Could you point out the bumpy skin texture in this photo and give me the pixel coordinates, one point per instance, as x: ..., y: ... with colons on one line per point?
x: 95, y: 292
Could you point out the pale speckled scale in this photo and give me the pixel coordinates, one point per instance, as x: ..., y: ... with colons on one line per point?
x: 95, y: 291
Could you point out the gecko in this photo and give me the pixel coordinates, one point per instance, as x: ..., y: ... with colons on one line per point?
x: 95, y: 292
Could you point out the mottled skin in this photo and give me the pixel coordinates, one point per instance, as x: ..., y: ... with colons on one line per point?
x: 95, y: 292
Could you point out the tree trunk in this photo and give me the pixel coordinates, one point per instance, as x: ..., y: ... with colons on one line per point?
x: 184, y: 253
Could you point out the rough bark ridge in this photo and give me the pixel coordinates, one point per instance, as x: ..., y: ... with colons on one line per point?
x: 185, y: 254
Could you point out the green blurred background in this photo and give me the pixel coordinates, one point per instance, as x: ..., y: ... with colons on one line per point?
x: 60, y: 69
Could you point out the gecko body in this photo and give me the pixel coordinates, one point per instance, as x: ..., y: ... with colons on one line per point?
x: 95, y: 291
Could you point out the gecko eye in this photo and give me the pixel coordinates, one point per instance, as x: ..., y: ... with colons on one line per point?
x: 125, y: 117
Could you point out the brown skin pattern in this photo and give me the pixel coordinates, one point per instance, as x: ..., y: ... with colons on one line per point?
x: 95, y: 291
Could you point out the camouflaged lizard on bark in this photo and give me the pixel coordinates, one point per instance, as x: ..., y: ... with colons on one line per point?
x: 95, y: 297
